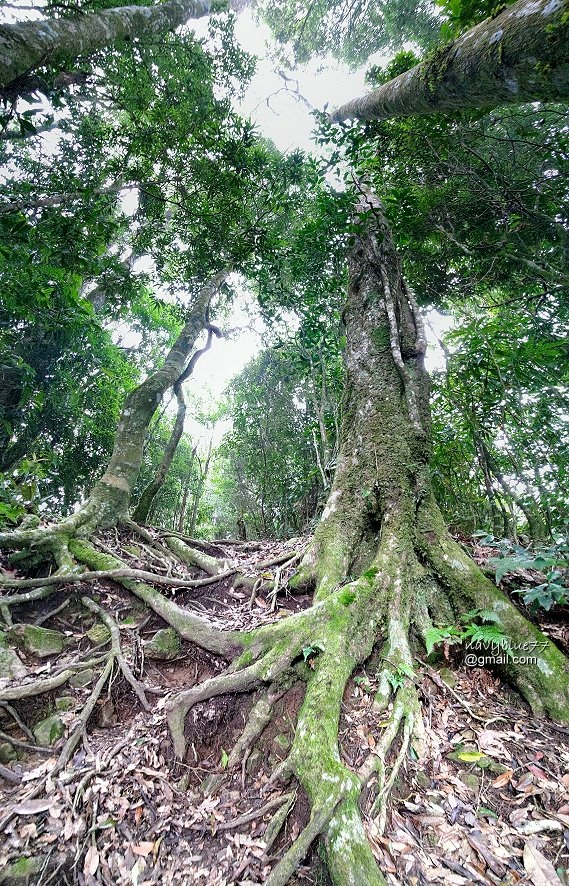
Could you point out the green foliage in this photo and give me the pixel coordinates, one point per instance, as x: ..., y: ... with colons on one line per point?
x: 469, y: 630
x: 464, y: 14
x: 312, y: 650
x: 351, y: 31
x: 399, y: 676
x: 279, y: 455
x: 551, y: 560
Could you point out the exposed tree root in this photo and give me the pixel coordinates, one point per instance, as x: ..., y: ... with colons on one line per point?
x: 297, y: 852
x: 35, y: 687
x: 116, y: 650
x: 80, y: 724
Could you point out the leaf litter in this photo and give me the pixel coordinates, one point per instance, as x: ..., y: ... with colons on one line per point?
x: 491, y: 806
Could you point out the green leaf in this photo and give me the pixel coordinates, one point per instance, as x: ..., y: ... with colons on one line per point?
x: 224, y: 759
x: 470, y: 756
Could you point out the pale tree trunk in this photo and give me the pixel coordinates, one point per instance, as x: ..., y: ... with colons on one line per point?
x: 150, y: 492
x: 25, y: 46
x: 520, y: 55
x: 110, y: 498
x: 199, y: 491
x: 186, y: 493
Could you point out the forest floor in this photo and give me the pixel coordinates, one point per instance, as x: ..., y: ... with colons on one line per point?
x: 490, y: 807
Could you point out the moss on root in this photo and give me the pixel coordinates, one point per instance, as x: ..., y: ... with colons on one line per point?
x: 542, y: 673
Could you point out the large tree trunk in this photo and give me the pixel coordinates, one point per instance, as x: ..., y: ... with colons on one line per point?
x: 520, y: 55
x: 384, y: 570
x: 25, y: 46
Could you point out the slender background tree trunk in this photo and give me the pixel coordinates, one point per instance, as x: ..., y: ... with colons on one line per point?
x: 149, y: 493
x: 110, y: 498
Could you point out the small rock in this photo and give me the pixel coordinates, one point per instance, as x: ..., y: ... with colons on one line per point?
x: 281, y: 743
x: 211, y: 783
x: 164, y: 645
x: 99, y: 634
x: 7, y: 752
x: 11, y: 666
x: 65, y: 703
x: 82, y: 678
x: 39, y: 641
x: 471, y: 781
x: 22, y: 872
x: 49, y: 730
x: 253, y: 762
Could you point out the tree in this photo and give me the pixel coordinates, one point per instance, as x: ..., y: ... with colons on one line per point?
x: 383, y: 566
x: 150, y: 491
x: 24, y: 46
x: 519, y: 55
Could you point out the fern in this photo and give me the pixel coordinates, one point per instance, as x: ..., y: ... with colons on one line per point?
x: 490, y: 634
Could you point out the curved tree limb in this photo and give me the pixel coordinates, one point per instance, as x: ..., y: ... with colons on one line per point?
x: 520, y: 55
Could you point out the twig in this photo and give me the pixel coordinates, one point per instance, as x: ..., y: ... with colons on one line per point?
x: 17, y: 743
x: 255, y: 813
x: 17, y: 719
x: 48, y: 615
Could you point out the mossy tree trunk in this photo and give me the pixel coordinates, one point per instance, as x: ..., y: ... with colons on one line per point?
x: 26, y: 45
x: 384, y: 570
x: 383, y: 567
x: 519, y: 55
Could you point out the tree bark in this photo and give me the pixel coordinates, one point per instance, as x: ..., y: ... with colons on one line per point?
x: 110, y: 498
x: 520, y: 55
x: 25, y: 46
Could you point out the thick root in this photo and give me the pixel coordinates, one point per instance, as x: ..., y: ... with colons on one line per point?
x: 189, y: 626
x: 536, y: 667
x: 177, y: 708
x: 193, y: 557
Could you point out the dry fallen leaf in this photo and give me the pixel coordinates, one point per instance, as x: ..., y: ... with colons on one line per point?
x: 144, y: 848
x: 91, y: 863
x: 503, y: 779
x: 540, y: 870
x: 32, y: 807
